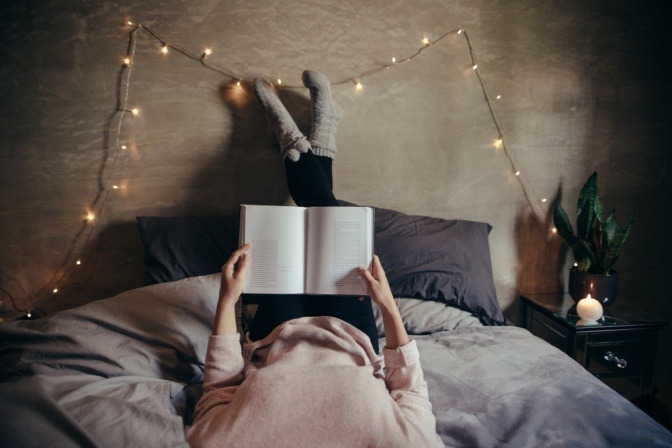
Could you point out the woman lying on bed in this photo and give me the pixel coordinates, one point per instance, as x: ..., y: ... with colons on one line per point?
x: 308, y: 374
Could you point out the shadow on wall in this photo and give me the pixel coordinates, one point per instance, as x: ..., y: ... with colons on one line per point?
x: 541, y: 255
x: 248, y: 169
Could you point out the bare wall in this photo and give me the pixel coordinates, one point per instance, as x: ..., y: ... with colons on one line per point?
x: 584, y: 86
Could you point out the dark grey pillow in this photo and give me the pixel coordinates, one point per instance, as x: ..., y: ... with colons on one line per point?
x: 423, y: 257
x: 188, y: 246
x: 439, y: 259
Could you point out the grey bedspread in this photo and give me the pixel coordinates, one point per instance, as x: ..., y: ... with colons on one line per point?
x: 125, y: 372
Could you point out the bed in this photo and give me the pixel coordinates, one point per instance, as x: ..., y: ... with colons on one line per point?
x: 126, y: 371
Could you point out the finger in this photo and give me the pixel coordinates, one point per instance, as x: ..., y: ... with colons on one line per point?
x: 367, y: 277
x: 230, y: 264
x: 378, y: 271
x: 243, y: 264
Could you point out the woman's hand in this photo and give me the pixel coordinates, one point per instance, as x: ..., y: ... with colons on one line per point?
x: 381, y: 294
x: 376, y: 283
x: 234, y: 273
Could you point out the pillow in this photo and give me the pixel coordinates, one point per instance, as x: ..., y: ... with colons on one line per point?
x: 438, y: 259
x: 181, y: 247
x: 426, y: 317
x: 424, y: 258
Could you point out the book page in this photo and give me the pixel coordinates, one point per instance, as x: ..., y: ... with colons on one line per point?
x: 340, y: 239
x: 277, y: 234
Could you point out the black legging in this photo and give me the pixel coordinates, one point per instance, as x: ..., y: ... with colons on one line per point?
x: 310, y: 183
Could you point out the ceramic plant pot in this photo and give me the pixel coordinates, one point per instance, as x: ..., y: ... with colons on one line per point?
x: 600, y: 286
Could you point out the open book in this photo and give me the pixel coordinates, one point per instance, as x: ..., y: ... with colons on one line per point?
x: 307, y: 250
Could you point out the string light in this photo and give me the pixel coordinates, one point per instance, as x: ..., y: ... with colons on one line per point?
x: 124, y: 89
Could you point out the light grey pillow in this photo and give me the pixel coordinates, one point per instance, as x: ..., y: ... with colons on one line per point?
x: 424, y: 316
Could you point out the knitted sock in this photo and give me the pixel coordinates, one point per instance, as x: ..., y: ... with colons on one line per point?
x: 325, y: 114
x: 280, y: 123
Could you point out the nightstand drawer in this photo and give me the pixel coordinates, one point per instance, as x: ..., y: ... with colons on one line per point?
x: 615, y: 358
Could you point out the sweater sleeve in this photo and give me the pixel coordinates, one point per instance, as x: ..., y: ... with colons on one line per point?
x: 405, y: 382
x: 223, y: 373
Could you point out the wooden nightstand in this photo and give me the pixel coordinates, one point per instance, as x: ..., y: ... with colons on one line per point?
x: 620, y: 350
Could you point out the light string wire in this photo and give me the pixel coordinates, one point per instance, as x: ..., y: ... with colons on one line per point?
x: 121, y: 110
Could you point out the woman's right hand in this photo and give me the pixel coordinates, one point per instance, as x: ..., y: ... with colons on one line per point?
x: 234, y: 272
x: 376, y: 283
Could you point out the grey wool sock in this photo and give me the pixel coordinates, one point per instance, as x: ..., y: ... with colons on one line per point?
x: 292, y: 141
x: 325, y: 114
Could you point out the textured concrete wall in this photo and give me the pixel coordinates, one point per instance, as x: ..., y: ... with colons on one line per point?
x: 583, y: 85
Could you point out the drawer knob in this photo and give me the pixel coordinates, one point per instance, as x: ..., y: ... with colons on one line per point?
x: 621, y: 363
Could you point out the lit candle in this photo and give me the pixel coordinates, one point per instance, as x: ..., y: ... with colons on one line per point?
x: 589, y: 309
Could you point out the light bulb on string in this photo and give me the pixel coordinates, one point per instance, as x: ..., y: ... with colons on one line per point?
x: 164, y: 49
x: 135, y: 111
x: 459, y: 31
x: 55, y: 290
x: 499, y: 96
x: 475, y: 66
x: 127, y: 62
x: 498, y: 143
x: 78, y: 262
x: 279, y: 81
x: 359, y: 86
x: 425, y: 41
x: 394, y: 60
x: 90, y: 217
x: 517, y: 173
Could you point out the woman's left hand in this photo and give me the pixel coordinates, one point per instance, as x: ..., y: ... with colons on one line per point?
x: 234, y: 273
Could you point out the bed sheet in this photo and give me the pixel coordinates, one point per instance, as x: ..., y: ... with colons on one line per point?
x: 126, y: 371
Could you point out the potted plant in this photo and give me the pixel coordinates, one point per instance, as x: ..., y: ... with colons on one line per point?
x: 596, y: 245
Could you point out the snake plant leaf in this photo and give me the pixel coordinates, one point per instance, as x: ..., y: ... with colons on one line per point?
x: 610, y: 227
x: 580, y: 249
x: 584, y: 264
x: 584, y: 255
x: 614, y: 249
x: 596, y: 243
x: 562, y: 224
x: 586, y: 208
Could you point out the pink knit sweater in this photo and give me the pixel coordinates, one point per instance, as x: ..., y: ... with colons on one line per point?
x: 313, y: 382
